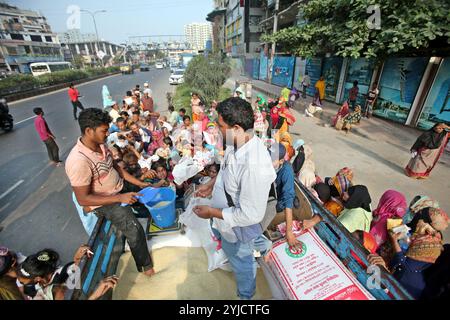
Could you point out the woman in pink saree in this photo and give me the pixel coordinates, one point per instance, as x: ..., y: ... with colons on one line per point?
x: 392, y: 205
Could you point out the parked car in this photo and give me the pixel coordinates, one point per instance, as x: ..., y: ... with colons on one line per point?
x: 126, y: 68
x: 177, y: 77
x: 144, y: 67
x: 159, y: 65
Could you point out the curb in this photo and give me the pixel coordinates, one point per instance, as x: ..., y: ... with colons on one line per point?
x: 36, y: 92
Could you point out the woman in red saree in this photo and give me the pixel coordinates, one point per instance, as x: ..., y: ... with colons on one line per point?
x: 427, y: 150
x: 343, y: 111
x: 282, y: 118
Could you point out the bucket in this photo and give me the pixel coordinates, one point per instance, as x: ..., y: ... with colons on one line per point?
x: 164, y: 216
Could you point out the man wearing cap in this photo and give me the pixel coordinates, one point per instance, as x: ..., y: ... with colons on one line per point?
x: 115, y: 112
x: 147, y: 87
x: 148, y: 106
x: 284, y: 184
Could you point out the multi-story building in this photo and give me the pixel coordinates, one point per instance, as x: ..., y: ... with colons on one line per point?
x: 25, y: 37
x: 197, y: 34
x: 242, y: 26
x: 217, y: 18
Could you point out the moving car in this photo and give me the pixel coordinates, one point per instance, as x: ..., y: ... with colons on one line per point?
x: 177, y: 77
x: 144, y: 67
x: 126, y: 68
x: 159, y: 65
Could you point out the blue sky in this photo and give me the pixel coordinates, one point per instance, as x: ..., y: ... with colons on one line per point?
x: 123, y: 18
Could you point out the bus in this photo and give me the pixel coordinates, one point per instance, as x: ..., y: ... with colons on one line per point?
x: 39, y: 68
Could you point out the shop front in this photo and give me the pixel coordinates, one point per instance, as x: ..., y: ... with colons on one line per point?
x: 360, y: 70
x: 400, y: 80
x: 437, y: 104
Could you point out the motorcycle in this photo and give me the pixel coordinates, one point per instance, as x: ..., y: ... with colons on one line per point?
x: 6, y: 120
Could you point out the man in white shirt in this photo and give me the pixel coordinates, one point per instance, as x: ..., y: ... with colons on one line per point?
x: 240, y: 193
x: 305, y: 84
x: 115, y: 112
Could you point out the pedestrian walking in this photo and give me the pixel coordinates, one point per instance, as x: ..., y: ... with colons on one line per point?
x: 74, y: 96
x: 305, y: 84
x: 427, y: 150
x: 98, y: 184
x: 372, y: 96
x: 46, y: 136
x: 240, y: 193
x: 320, y: 92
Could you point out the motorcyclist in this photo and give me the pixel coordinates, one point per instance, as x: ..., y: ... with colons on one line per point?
x: 6, y: 120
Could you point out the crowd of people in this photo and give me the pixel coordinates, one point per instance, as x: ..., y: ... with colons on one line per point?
x: 238, y: 153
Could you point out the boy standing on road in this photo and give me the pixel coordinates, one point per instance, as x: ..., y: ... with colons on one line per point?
x: 98, y: 184
x: 74, y: 95
x: 46, y: 136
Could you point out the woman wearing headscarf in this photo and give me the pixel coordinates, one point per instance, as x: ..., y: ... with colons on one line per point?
x: 299, y: 160
x: 426, y: 245
x: 323, y: 192
x: 8, y: 275
x: 427, y: 150
x: 286, y: 140
x: 308, y: 164
x: 107, y: 99
x: 392, y: 205
x: 357, y: 214
x: 417, y: 205
x: 339, y: 184
x: 416, y: 208
x: 352, y: 118
x: 282, y: 118
x: 341, y: 114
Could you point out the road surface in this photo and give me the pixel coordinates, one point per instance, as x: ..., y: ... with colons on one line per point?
x: 36, y: 208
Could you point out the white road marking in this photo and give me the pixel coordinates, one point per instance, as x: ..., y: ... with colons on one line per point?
x: 18, y: 183
x: 25, y: 120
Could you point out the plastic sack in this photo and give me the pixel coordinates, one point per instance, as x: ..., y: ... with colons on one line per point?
x: 216, y: 258
x: 201, y: 228
x: 185, y: 169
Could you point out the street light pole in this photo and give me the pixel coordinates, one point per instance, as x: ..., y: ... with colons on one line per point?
x: 95, y: 26
x: 274, y: 45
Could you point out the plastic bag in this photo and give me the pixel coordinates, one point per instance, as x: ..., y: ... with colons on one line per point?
x: 190, y: 219
x: 185, y: 169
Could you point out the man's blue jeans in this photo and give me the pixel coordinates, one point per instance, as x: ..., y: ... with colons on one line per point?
x: 243, y: 263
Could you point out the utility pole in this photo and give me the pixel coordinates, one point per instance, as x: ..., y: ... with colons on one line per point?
x: 275, y: 29
x: 95, y: 26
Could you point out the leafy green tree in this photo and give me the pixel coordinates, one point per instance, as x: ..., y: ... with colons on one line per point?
x: 206, y: 75
x: 341, y: 27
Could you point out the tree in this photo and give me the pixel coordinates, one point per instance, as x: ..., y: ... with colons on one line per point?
x: 206, y: 75
x: 78, y: 61
x: 341, y: 27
